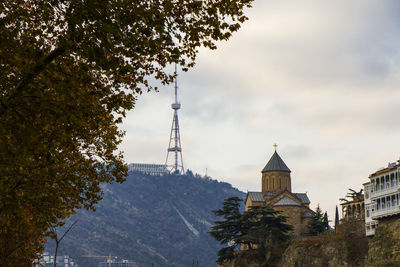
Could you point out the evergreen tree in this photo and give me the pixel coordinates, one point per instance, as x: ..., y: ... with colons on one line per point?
x: 325, y: 221
x: 260, y: 228
x: 336, y: 217
x: 261, y: 224
x: 318, y: 223
x: 266, y: 231
x: 229, y: 230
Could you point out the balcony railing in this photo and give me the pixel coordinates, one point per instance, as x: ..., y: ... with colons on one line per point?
x: 385, y: 212
x: 387, y: 190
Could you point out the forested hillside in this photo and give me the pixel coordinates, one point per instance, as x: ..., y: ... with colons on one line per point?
x: 160, y: 220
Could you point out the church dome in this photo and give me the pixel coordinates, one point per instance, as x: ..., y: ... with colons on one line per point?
x: 276, y: 164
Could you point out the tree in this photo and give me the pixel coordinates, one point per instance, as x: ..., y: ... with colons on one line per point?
x: 54, y: 235
x: 264, y: 230
x: 336, y: 218
x: 318, y: 223
x: 260, y: 229
x: 353, y: 195
x: 69, y: 72
x: 325, y: 221
x: 228, y: 231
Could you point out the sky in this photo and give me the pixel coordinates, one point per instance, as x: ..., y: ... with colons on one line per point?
x: 318, y: 78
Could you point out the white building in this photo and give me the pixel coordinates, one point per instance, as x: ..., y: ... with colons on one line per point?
x: 47, y: 260
x: 382, y: 196
x: 153, y: 169
x: 118, y: 263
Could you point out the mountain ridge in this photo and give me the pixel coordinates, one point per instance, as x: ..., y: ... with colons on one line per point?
x: 161, y: 220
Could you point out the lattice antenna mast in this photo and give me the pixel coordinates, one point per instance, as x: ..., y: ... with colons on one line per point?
x: 174, y: 146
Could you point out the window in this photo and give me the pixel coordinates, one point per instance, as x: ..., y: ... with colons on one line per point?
x: 387, y: 182
x: 367, y: 212
x: 378, y: 204
x: 392, y: 179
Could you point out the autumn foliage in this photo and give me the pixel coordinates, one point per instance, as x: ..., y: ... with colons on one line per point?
x: 69, y: 72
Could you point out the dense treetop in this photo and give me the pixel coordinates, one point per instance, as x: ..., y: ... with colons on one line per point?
x: 69, y: 70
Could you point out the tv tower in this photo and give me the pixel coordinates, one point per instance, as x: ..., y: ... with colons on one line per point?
x: 174, y: 146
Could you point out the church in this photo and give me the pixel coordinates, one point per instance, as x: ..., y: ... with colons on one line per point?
x: 276, y: 191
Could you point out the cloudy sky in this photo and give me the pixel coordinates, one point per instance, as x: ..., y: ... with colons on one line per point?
x: 319, y: 78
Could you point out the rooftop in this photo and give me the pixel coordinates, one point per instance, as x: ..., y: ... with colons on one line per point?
x: 286, y: 201
x: 390, y: 167
x: 259, y: 196
x: 276, y: 164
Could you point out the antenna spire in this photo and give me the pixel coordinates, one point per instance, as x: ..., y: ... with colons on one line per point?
x: 174, y: 146
x: 176, y: 86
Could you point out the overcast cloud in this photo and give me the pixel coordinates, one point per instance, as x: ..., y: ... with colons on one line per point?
x: 319, y: 78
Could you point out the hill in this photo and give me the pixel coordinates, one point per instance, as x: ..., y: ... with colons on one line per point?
x: 160, y: 220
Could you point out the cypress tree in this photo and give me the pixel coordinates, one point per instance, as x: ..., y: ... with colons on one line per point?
x: 336, y: 217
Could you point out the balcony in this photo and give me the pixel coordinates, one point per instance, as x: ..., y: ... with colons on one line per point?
x: 387, y: 191
x: 388, y: 211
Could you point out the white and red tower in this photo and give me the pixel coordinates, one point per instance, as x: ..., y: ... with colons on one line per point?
x: 175, y: 164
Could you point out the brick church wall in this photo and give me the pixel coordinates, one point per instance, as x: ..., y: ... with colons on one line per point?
x: 293, y: 216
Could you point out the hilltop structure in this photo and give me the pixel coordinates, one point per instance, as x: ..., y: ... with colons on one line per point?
x: 276, y: 191
x: 353, y: 209
x: 382, y: 196
x: 353, y: 216
x: 152, y: 169
x: 174, y: 145
x: 174, y: 163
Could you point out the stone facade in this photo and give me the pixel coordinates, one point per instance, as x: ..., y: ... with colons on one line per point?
x: 295, y: 218
x: 276, y: 191
x: 275, y: 181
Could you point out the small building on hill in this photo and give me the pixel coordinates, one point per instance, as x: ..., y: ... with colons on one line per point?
x: 353, y: 215
x: 152, y: 169
x: 382, y: 194
x: 353, y: 208
x: 276, y: 191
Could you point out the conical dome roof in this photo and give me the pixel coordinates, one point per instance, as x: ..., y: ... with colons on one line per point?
x: 276, y: 164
